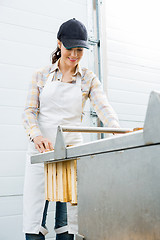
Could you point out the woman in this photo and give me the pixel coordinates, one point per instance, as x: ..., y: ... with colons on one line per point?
x: 57, y: 96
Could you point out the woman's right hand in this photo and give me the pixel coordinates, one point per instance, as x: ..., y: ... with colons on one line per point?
x: 42, y: 144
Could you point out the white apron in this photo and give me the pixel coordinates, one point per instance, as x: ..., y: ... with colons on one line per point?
x: 60, y: 104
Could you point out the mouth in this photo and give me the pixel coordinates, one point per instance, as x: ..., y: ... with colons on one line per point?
x: 72, y: 59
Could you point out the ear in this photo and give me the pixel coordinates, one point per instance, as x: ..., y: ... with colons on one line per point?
x: 59, y: 43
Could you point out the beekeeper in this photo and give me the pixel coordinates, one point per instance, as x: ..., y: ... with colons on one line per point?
x: 57, y: 96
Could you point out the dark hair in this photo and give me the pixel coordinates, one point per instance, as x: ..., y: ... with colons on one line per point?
x: 55, y: 55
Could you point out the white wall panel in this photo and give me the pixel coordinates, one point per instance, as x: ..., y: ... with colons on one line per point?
x: 134, y: 61
x: 123, y: 70
x: 55, y: 9
x: 131, y: 49
x: 15, y: 77
x: 13, y: 163
x: 131, y: 117
x: 116, y: 31
x: 131, y: 124
x: 11, y: 115
x: 14, y: 224
x: 31, y: 36
x: 14, y: 206
x: 133, y: 57
x: 11, y: 186
x: 129, y: 96
x: 120, y: 83
x: 131, y: 109
x: 27, y: 19
x: 12, y: 97
x: 24, y: 54
x: 14, y: 138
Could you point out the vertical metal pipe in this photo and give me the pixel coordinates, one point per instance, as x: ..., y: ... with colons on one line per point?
x: 98, y: 39
x: 99, y: 52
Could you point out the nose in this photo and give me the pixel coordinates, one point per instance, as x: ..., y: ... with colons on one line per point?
x: 74, y: 53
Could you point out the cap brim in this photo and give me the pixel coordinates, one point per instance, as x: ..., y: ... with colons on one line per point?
x: 74, y: 43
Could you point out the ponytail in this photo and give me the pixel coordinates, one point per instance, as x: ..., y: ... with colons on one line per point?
x: 56, y: 55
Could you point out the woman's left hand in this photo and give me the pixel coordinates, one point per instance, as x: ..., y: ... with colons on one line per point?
x: 42, y: 144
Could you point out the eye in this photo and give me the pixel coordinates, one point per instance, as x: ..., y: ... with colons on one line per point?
x: 80, y: 49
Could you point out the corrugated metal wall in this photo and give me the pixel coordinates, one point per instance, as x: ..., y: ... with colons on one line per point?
x: 133, y: 57
x: 28, y: 36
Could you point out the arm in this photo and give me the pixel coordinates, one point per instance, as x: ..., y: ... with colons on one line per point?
x: 101, y: 105
x: 32, y: 109
x: 30, y: 115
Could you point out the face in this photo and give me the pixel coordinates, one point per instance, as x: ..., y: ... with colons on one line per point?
x: 70, y: 57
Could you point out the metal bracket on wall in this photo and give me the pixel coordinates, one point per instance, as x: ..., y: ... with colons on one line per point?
x: 93, y: 42
x: 93, y: 113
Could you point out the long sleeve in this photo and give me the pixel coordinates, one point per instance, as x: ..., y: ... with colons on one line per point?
x: 32, y: 108
x: 101, y: 105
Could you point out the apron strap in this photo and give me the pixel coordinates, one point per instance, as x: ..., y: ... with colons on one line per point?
x: 78, y: 81
x: 54, y: 74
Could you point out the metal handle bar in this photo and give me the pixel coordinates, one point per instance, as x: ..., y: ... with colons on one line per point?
x: 95, y: 129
